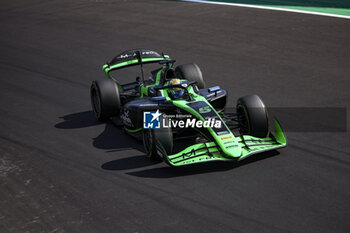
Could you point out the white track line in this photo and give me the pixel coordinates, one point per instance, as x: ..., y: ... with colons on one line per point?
x: 269, y: 8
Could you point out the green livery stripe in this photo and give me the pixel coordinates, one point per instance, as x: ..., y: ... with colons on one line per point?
x: 133, y: 130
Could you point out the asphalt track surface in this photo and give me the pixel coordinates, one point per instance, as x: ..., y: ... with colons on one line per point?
x: 61, y: 171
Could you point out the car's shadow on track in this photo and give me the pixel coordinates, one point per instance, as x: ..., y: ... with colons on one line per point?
x: 111, y: 139
x: 169, y: 172
x: 77, y: 120
x: 114, y: 139
x: 128, y: 163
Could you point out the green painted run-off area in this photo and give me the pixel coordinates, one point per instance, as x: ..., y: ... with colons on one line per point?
x: 339, y: 7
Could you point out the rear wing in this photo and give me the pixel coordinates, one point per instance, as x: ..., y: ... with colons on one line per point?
x: 131, y: 58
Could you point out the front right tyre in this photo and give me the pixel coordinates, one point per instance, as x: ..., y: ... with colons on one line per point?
x: 105, y: 99
x: 191, y: 72
x: 252, y: 116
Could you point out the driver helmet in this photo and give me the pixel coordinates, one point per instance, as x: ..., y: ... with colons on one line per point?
x: 175, y: 92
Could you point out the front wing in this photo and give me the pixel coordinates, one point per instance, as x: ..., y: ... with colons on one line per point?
x: 209, y: 151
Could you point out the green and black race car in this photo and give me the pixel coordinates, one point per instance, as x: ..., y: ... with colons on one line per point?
x: 195, y: 127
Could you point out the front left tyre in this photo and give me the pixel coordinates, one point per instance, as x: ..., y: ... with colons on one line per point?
x: 155, y: 140
x: 105, y: 99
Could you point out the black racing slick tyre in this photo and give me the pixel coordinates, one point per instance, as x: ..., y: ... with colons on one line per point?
x: 252, y: 116
x: 105, y: 99
x: 191, y: 72
x: 155, y: 140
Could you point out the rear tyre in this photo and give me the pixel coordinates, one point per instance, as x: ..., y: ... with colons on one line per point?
x: 191, y: 72
x: 105, y: 99
x: 252, y: 116
x: 163, y: 136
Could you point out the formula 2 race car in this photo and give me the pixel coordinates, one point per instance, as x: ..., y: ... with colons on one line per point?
x: 180, y: 120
